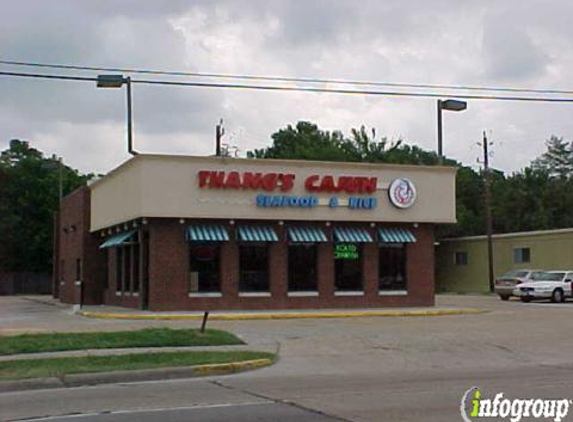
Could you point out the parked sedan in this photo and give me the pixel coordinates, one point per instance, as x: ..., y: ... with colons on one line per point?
x: 505, y: 284
x: 554, y: 285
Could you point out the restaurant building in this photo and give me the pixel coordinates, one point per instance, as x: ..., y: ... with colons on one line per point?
x: 211, y: 233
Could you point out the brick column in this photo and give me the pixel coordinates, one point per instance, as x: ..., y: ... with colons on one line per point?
x: 141, y: 270
x: 230, y: 271
x: 325, y: 266
x: 278, y: 263
x: 420, y: 266
x: 168, y: 265
x: 370, y: 269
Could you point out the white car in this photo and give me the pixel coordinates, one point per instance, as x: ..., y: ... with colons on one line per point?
x: 554, y: 285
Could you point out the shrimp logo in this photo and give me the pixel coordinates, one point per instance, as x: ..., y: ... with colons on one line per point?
x: 402, y: 193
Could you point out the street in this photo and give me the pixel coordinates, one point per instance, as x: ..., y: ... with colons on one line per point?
x: 363, y: 369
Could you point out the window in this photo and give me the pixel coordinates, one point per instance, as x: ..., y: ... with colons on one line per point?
x: 78, y: 269
x: 348, y: 266
x: 127, y: 266
x: 106, y: 275
x: 135, y: 256
x: 204, y: 268
x: 254, y: 268
x: 461, y: 258
x: 521, y: 255
x: 302, y: 267
x: 118, y: 269
x: 392, y: 267
x: 126, y: 269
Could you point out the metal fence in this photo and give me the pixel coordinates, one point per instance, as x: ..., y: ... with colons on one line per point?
x: 25, y: 283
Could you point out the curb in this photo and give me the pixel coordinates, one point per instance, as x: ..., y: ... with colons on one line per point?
x: 289, y: 315
x: 77, y: 380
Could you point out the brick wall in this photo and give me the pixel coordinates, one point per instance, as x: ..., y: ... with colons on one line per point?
x: 169, y: 263
x: 74, y: 242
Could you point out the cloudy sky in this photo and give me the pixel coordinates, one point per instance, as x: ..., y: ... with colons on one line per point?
x: 513, y: 43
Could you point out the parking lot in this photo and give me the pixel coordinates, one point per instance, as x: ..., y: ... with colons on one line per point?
x: 356, y: 369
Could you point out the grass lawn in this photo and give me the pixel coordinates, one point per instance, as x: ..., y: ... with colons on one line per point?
x: 150, y: 337
x: 40, y: 368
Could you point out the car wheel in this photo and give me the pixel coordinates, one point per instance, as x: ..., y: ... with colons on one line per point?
x: 557, y: 296
x: 526, y: 299
x: 504, y: 297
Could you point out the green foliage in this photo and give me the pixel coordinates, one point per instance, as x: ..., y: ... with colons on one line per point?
x: 29, y: 194
x: 306, y: 141
x: 557, y: 161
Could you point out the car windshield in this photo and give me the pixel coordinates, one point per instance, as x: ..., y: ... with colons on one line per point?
x: 548, y: 276
x: 516, y: 274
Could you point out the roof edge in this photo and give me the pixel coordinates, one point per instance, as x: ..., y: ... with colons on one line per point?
x: 509, y: 235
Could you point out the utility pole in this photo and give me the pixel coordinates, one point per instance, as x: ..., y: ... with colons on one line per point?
x: 488, y: 216
x: 219, y: 132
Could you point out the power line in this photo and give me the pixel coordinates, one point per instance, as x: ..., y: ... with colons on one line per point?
x: 48, y: 76
x: 277, y: 88
x: 287, y: 79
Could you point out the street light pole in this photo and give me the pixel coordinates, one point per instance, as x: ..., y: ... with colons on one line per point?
x: 488, y: 213
x: 117, y: 81
x: 451, y: 105
x: 440, y: 152
x: 129, y: 117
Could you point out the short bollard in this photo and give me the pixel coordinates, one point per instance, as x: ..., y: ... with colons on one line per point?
x: 204, y: 323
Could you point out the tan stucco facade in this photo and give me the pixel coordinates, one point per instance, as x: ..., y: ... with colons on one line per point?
x: 548, y: 250
x: 168, y: 186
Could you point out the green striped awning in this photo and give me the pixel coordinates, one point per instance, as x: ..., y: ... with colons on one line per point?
x: 207, y: 233
x: 257, y: 234
x: 352, y: 235
x: 306, y: 234
x: 118, y: 240
x: 395, y: 235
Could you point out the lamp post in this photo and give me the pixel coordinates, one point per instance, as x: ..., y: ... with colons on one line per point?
x: 451, y: 105
x: 117, y: 81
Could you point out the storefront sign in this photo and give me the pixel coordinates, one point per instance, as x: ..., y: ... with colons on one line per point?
x: 355, y: 202
x: 286, y: 201
x: 246, y: 180
x: 285, y: 182
x: 345, y: 184
x: 346, y: 251
x: 402, y: 193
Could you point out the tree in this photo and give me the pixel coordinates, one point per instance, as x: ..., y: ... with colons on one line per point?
x: 557, y: 160
x: 29, y: 194
x: 305, y: 141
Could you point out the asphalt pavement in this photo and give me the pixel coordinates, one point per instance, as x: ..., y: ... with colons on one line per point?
x: 358, y: 369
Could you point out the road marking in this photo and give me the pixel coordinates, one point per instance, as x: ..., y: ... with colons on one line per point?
x: 143, y: 410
